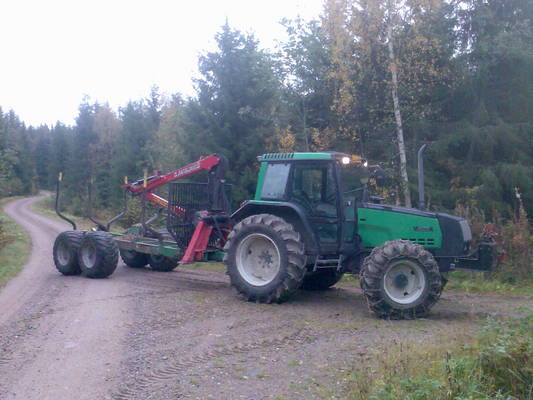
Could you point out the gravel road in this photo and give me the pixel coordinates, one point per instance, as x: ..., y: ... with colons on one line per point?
x: 141, y: 334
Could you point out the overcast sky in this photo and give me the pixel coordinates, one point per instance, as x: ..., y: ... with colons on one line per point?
x: 55, y: 51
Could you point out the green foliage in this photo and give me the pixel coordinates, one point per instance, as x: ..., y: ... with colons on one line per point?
x: 514, y: 243
x: 235, y: 111
x: 495, y: 365
x: 15, y: 246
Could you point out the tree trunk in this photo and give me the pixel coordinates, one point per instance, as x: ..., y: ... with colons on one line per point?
x: 398, y: 116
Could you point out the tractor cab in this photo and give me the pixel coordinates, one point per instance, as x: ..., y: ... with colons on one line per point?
x: 320, y: 189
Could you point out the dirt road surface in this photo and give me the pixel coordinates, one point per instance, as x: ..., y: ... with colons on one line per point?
x: 141, y: 334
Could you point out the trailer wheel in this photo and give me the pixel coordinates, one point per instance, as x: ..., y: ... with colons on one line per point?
x: 400, y: 280
x: 265, y: 258
x: 133, y: 259
x: 162, y: 263
x: 65, y: 252
x: 98, y: 255
x: 321, y: 279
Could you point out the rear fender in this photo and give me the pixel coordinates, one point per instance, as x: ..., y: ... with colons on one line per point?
x: 290, y: 212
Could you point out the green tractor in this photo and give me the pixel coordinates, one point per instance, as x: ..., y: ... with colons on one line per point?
x: 312, y: 220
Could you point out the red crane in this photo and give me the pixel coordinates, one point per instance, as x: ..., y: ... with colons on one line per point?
x: 215, y: 165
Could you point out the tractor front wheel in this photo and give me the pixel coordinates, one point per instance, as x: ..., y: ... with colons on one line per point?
x: 265, y: 258
x: 162, y: 263
x: 65, y: 252
x: 98, y: 255
x: 400, y: 280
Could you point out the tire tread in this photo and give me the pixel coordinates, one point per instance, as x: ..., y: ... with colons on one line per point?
x: 295, y: 256
x: 374, y: 267
x: 106, y: 246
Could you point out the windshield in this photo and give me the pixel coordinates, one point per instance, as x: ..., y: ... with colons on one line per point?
x: 353, y: 177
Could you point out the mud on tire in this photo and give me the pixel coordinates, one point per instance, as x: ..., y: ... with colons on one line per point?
x: 98, y: 255
x: 162, y: 263
x: 133, y: 259
x: 65, y: 252
x: 400, y: 280
x: 265, y: 258
x: 321, y: 279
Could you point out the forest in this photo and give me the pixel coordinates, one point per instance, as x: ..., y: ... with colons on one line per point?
x: 458, y: 73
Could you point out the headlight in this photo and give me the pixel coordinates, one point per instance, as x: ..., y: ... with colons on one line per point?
x: 345, y: 160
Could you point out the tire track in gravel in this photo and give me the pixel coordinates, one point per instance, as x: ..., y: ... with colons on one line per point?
x: 174, y: 368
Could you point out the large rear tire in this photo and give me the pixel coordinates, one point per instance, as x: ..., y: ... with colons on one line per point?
x: 133, y: 259
x: 321, y: 279
x: 162, y: 263
x: 98, y: 255
x: 265, y: 259
x: 400, y: 280
x: 65, y: 252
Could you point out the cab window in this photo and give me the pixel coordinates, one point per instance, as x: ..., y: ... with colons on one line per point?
x: 275, y: 181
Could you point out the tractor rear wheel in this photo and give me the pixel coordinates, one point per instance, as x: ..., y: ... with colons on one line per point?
x: 265, y: 258
x: 162, y: 263
x: 65, y: 252
x: 133, y: 259
x: 98, y: 255
x: 321, y: 279
x: 400, y: 280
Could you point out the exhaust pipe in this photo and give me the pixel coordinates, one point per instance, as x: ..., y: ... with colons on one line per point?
x: 421, y: 187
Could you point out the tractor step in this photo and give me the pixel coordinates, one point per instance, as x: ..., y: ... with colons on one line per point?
x: 327, y: 263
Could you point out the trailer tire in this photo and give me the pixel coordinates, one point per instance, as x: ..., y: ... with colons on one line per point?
x: 134, y: 259
x: 400, y: 280
x: 265, y: 259
x: 162, y: 263
x: 98, y: 255
x: 65, y: 252
x: 321, y: 279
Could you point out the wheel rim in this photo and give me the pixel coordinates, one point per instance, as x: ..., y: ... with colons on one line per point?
x: 88, y: 255
x: 258, y: 259
x: 63, y: 253
x: 404, y: 281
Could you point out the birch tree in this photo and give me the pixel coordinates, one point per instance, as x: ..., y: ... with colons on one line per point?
x: 391, y: 15
x: 384, y: 61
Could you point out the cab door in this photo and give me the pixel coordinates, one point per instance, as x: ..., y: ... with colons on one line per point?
x: 314, y: 187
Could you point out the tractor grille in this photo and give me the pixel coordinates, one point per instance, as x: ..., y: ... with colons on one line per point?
x: 422, y: 241
x: 185, y: 199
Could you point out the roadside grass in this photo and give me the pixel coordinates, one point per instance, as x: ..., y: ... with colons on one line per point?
x: 493, y: 363
x: 470, y: 282
x: 15, y: 245
x: 475, y: 282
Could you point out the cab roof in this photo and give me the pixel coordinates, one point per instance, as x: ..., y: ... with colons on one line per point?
x: 328, y: 155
